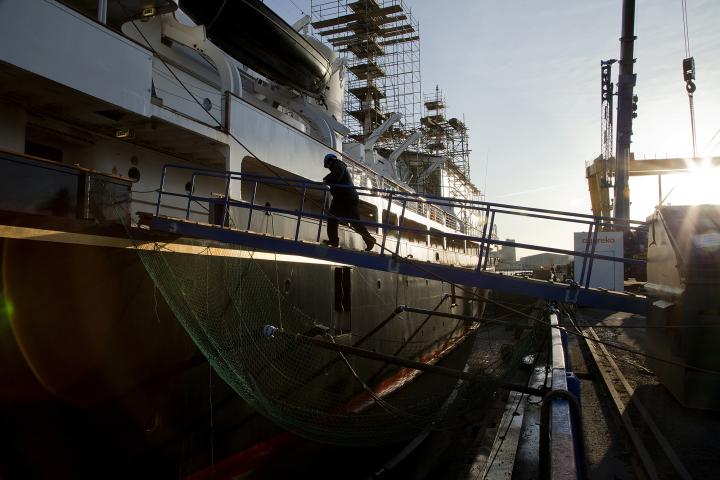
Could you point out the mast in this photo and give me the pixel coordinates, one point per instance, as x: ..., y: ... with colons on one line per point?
x: 625, y: 113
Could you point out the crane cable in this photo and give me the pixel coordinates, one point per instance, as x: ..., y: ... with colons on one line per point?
x: 686, y: 35
x: 689, y: 74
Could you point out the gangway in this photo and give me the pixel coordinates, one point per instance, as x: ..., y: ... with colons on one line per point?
x: 388, y: 259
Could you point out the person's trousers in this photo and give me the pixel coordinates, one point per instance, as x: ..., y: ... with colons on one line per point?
x: 345, y: 209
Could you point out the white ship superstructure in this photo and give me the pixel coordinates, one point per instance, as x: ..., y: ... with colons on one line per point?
x: 95, y: 99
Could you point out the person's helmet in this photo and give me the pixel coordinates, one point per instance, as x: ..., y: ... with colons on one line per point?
x: 329, y: 158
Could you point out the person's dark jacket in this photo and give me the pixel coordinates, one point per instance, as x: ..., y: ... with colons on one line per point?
x: 339, y: 175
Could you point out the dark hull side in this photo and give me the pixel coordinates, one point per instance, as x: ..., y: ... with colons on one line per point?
x: 100, y: 379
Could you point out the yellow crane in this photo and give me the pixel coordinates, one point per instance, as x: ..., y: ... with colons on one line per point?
x: 601, y: 170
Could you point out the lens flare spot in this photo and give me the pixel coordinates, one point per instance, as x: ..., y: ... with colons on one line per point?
x: 6, y: 309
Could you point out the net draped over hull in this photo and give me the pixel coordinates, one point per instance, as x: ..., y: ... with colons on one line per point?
x: 224, y: 304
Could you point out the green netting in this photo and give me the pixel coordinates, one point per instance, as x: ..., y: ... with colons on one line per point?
x: 224, y: 303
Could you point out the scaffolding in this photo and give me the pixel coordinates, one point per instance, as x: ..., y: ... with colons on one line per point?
x: 445, y: 137
x: 380, y: 40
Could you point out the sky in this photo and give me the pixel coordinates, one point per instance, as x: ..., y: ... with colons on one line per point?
x: 526, y: 75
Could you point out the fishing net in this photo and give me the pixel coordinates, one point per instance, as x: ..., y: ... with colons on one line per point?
x: 226, y: 297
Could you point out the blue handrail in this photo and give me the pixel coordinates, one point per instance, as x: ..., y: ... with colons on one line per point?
x: 429, y: 205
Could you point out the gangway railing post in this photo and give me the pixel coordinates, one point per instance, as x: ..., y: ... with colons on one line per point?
x: 322, y: 216
x: 481, y: 255
x: 487, y: 250
x: 382, y: 246
x: 160, y: 190
x: 300, y: 212
x: 252, y: 204
x: 581, y: 280
x: 400, y: 222
x: 190, y: 196
x: 592, y: 254
x: 226, y: 204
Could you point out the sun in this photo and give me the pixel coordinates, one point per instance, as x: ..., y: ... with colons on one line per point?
x: 699, y: 185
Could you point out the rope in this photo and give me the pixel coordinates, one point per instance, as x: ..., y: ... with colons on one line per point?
x: 714, y: 148
x: 300, y: 9
x: 212, y: 22
x: 710, y: 143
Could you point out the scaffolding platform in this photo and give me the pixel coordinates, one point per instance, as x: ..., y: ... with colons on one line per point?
x: 362, y: 92
x: 363, y: 71
x: 358, y: 15
x: 375, y: 114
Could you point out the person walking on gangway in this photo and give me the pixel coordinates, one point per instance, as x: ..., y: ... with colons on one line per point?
x: 344, y: 203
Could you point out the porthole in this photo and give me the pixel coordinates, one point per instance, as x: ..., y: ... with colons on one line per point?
x: 134, y: 174
x: 207, y: 104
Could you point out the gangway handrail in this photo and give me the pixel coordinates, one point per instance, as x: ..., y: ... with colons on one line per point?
x: 398, y: 195
x: 484, y: 241
x: 448, y: 235
x: 288, y: 182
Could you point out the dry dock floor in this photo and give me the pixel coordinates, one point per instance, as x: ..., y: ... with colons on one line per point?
x: 691, y: 434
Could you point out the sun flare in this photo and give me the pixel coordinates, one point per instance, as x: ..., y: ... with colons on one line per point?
x: 700, y: 185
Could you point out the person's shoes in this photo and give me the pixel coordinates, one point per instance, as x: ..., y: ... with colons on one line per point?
x: 369, y: 243
x: 330, y: 244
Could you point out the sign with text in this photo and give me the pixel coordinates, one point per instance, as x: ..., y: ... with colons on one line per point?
x: 605, y: 274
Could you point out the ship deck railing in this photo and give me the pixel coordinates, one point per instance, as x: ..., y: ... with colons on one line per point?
x: 313, y: 197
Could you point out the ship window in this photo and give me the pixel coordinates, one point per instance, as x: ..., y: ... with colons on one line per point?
x: 83, y: 6
x: 417, y: 234
x: 392, y: 220
x: 436, y: 238
x: 367, y: 213
x: 43, y: 151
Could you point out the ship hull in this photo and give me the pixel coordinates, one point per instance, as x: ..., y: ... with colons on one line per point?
x: 114, y: 373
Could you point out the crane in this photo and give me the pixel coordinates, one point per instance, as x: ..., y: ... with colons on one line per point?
x: 606, y: 171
